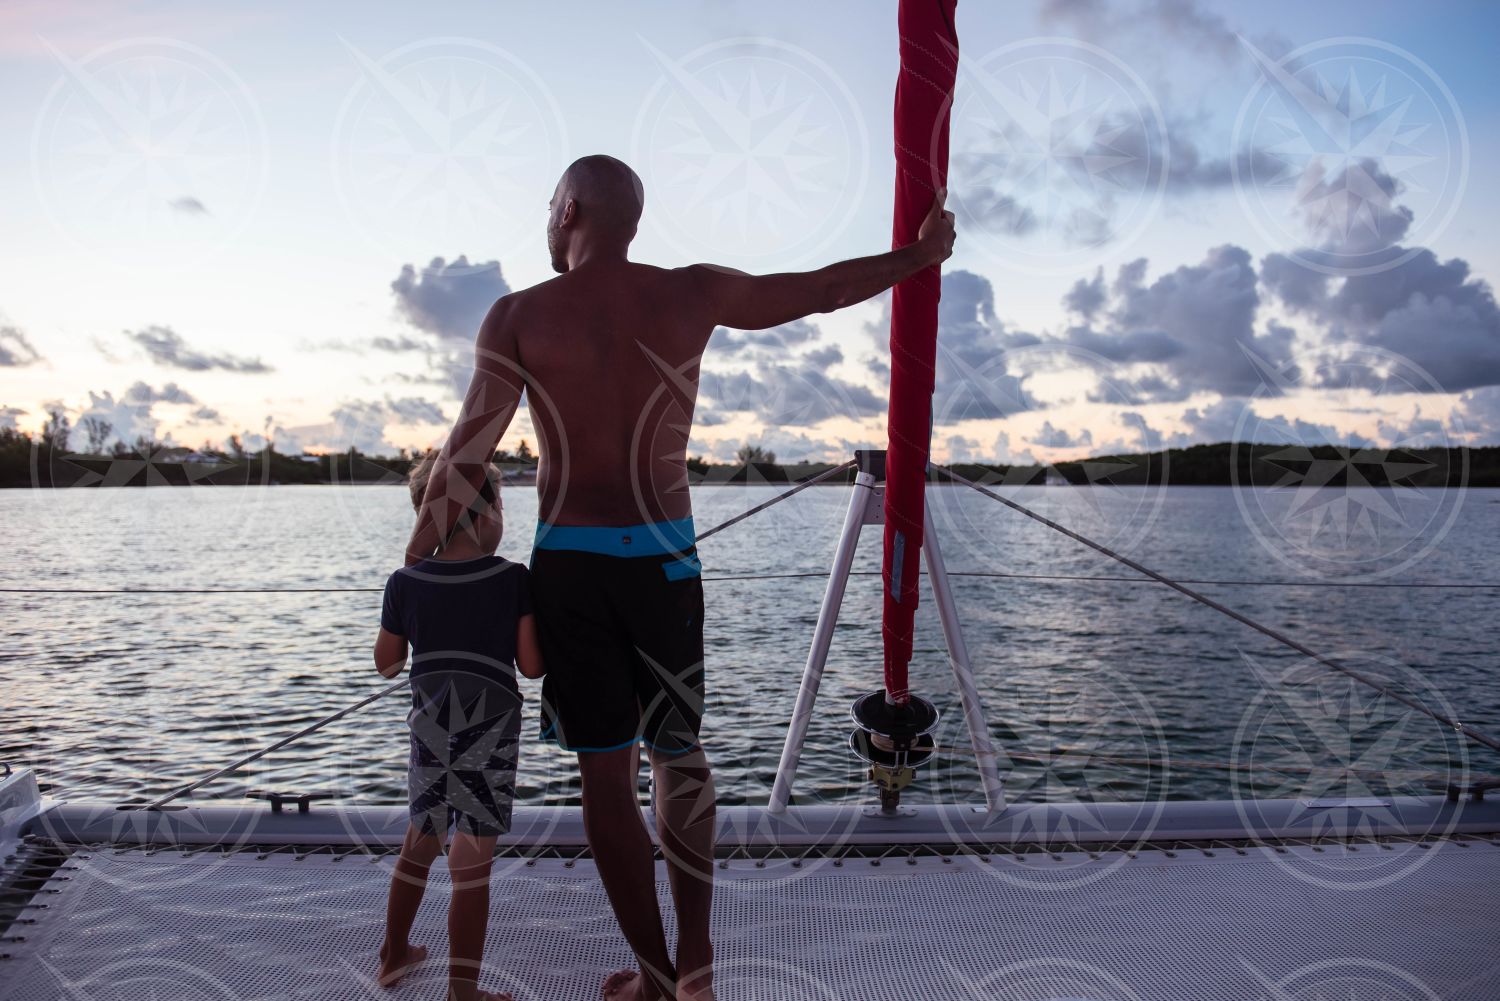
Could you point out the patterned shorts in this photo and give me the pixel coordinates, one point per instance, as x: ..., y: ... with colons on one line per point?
x: 464, y: 777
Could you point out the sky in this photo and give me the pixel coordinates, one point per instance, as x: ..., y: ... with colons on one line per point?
x: 1178, y: 221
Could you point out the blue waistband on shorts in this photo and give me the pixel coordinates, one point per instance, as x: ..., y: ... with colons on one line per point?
x: 650, y: 539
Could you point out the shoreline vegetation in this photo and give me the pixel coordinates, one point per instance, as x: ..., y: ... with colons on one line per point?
x: 47, y: 461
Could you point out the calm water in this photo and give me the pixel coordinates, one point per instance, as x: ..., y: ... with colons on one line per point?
x: 1094, y: 689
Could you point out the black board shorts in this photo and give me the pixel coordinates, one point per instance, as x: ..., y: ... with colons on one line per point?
x: 619, y: 613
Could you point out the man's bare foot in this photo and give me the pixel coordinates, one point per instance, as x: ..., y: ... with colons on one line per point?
x: 695, y: 981
x: 473, y: 994
x: 622, y: 985
x: 395, y: 965
x: 628, y: 985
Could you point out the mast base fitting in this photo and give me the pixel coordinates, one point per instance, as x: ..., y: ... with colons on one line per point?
x: 894, y: 740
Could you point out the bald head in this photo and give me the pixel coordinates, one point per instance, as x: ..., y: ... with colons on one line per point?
x: 599, y: 199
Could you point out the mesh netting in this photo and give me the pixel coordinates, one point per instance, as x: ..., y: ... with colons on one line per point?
x: 139, y: 926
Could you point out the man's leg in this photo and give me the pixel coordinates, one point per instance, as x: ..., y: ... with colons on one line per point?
x: 468, y: 915
x: 408, y: 883
x: 622, y: 851
x: 685, y: 826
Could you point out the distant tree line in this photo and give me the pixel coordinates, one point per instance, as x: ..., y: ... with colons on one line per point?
x: 64, y: 456
x: 61, y: 455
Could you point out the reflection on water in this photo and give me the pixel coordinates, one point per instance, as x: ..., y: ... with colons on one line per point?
x: 1099, y: 690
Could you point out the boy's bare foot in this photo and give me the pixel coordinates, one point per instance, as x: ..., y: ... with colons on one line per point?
x: 396, y: 964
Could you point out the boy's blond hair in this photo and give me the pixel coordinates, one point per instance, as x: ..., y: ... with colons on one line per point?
x: 421, y: 472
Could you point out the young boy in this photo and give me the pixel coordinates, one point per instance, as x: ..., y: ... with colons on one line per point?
x: 467, y: 615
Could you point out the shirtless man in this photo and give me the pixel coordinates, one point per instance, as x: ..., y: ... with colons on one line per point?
x: 608, y: 355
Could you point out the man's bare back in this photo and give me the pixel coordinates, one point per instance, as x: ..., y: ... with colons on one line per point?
x: 609, y: 353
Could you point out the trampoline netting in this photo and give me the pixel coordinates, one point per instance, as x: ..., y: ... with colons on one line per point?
x: 150, y: 926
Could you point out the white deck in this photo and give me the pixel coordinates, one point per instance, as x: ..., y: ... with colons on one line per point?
x: 1295, y: 924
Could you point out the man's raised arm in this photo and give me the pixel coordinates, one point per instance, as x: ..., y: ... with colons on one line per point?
x: 493, y: 396
x: 755, y: 302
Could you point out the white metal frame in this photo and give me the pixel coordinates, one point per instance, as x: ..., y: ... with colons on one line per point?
x: 866, y: 508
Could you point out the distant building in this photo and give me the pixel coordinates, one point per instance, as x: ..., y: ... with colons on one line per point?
x: 183, y: 455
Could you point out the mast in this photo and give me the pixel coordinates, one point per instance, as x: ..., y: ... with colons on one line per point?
x: 924, y: 97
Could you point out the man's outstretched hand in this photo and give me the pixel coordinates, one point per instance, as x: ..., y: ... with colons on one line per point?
x: 936, y: 233
x: 760, y: 302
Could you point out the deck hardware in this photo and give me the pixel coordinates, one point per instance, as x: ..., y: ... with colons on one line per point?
x: 303, y: 800
x: 1476, y: 789
x: 890, y: 776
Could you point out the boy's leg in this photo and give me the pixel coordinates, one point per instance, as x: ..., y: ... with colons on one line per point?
x: 408, y: 883
x: 622, y: 851
x: 685, y: 813
x: 469, y: 861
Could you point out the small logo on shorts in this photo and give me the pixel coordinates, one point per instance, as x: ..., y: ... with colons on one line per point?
x: 625, y: 539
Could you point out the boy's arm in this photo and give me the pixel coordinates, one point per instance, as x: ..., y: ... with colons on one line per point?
x: 528, y: 650
x: 756, y: 302
x: 493, y: 396
x: 390, y: 653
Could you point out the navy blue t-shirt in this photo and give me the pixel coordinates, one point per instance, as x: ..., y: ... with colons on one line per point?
x: 460, y: 617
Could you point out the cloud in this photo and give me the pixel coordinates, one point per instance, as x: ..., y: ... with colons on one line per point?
x: 1054, y: 437
x: 188, y: 206
x: 1429, y: 312
x: 141, y: 394
x: 399, y: 344
x: 1087, y: 296
x: 780, y: 387
x: 775, y: 341
x: 1354, y: 211
x: 15, y: 350
x: 1478, y: 414
x: 133, y: 412
x: 412, y: 410
x: 357, y: 424
x: 1417, y: 431
x: 1238, y: 420
x: 971, y: 378
x: 1190, y: 329
x: 824, y: 357
x: 799, y: 393
x: 131, y: 419
x: 8, y: 417
x: 962, y: 449
x: 1005, y: 455
x: 987, y: 207
x: 166, y: 347
x: 789, y: 446
x: 1183, y: 21
x: 449, y: 299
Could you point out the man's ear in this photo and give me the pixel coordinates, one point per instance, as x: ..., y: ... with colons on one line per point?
x: 569, y: 213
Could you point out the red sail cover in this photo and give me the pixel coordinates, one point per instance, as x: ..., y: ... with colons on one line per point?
x: 924, y: 94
